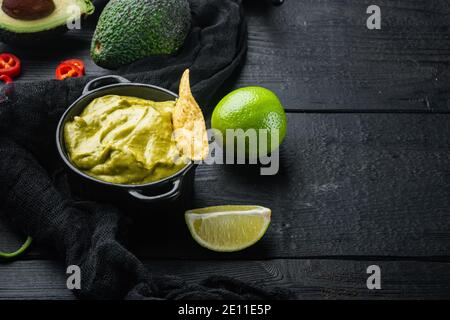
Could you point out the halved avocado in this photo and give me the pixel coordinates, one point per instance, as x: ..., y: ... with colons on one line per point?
x: 28, y: 32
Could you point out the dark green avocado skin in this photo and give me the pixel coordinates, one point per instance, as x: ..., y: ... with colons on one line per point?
x: 31, y: 39
x: 130, y: 30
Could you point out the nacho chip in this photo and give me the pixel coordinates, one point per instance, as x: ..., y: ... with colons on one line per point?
x: 188, y: 124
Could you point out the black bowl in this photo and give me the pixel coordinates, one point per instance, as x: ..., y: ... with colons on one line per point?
x: 170, y: 189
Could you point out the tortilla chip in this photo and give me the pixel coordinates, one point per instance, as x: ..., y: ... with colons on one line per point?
x: 189, y: 124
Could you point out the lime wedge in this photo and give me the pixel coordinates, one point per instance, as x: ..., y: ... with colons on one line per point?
x: 228, y: 228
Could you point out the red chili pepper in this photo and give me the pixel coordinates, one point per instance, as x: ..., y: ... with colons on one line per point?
x: 65, y: 70
x: 6, y: 79
x: 77, y: 63
x: 9, y: 65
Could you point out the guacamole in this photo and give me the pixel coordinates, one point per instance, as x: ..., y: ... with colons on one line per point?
x: 124, y: 140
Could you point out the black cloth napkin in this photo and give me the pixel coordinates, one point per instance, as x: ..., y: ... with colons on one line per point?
x: 87, y: 233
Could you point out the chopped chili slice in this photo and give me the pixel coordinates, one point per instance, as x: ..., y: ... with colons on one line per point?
x: 9, y: 65
x: 6, y: 79
x: 23, y: 248
x: 65, y: 70
x: 77, y: 63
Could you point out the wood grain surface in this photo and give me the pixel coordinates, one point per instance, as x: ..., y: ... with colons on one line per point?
x: 364, y: 172
x: 348, y: 185
x: 308, y: 279
x: 319, y: 55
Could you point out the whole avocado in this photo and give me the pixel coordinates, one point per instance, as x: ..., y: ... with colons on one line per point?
x: 130, y: 30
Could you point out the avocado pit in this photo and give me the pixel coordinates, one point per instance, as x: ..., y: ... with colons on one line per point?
x: 28, y: 9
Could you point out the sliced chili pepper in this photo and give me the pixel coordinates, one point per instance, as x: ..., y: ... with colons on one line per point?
x: 77, y: 63
x: 65, y: 70
x: 6, y: 79
x: 22, y: 249
x: 9, y: 65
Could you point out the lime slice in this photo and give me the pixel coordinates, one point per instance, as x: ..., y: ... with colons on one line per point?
x: 228, y: 228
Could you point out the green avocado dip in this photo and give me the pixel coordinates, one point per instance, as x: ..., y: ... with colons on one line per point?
x: 124, y: 140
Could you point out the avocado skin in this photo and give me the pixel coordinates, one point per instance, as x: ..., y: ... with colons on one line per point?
x: 31, y: 39
x: 130, y: 30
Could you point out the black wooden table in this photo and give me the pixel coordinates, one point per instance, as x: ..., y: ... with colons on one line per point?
x: 365, y: 167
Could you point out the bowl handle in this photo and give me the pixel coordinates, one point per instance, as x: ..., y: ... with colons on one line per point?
x: 172, y: 193
x: 103, y: 81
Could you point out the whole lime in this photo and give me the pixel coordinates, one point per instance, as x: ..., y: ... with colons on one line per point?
x: 249, y: 112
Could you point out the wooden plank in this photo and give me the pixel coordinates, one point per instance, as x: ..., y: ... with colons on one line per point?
x: 319, y: 55
x: 309, y: 279
x: 33, y: 280
x: 348, y: 185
